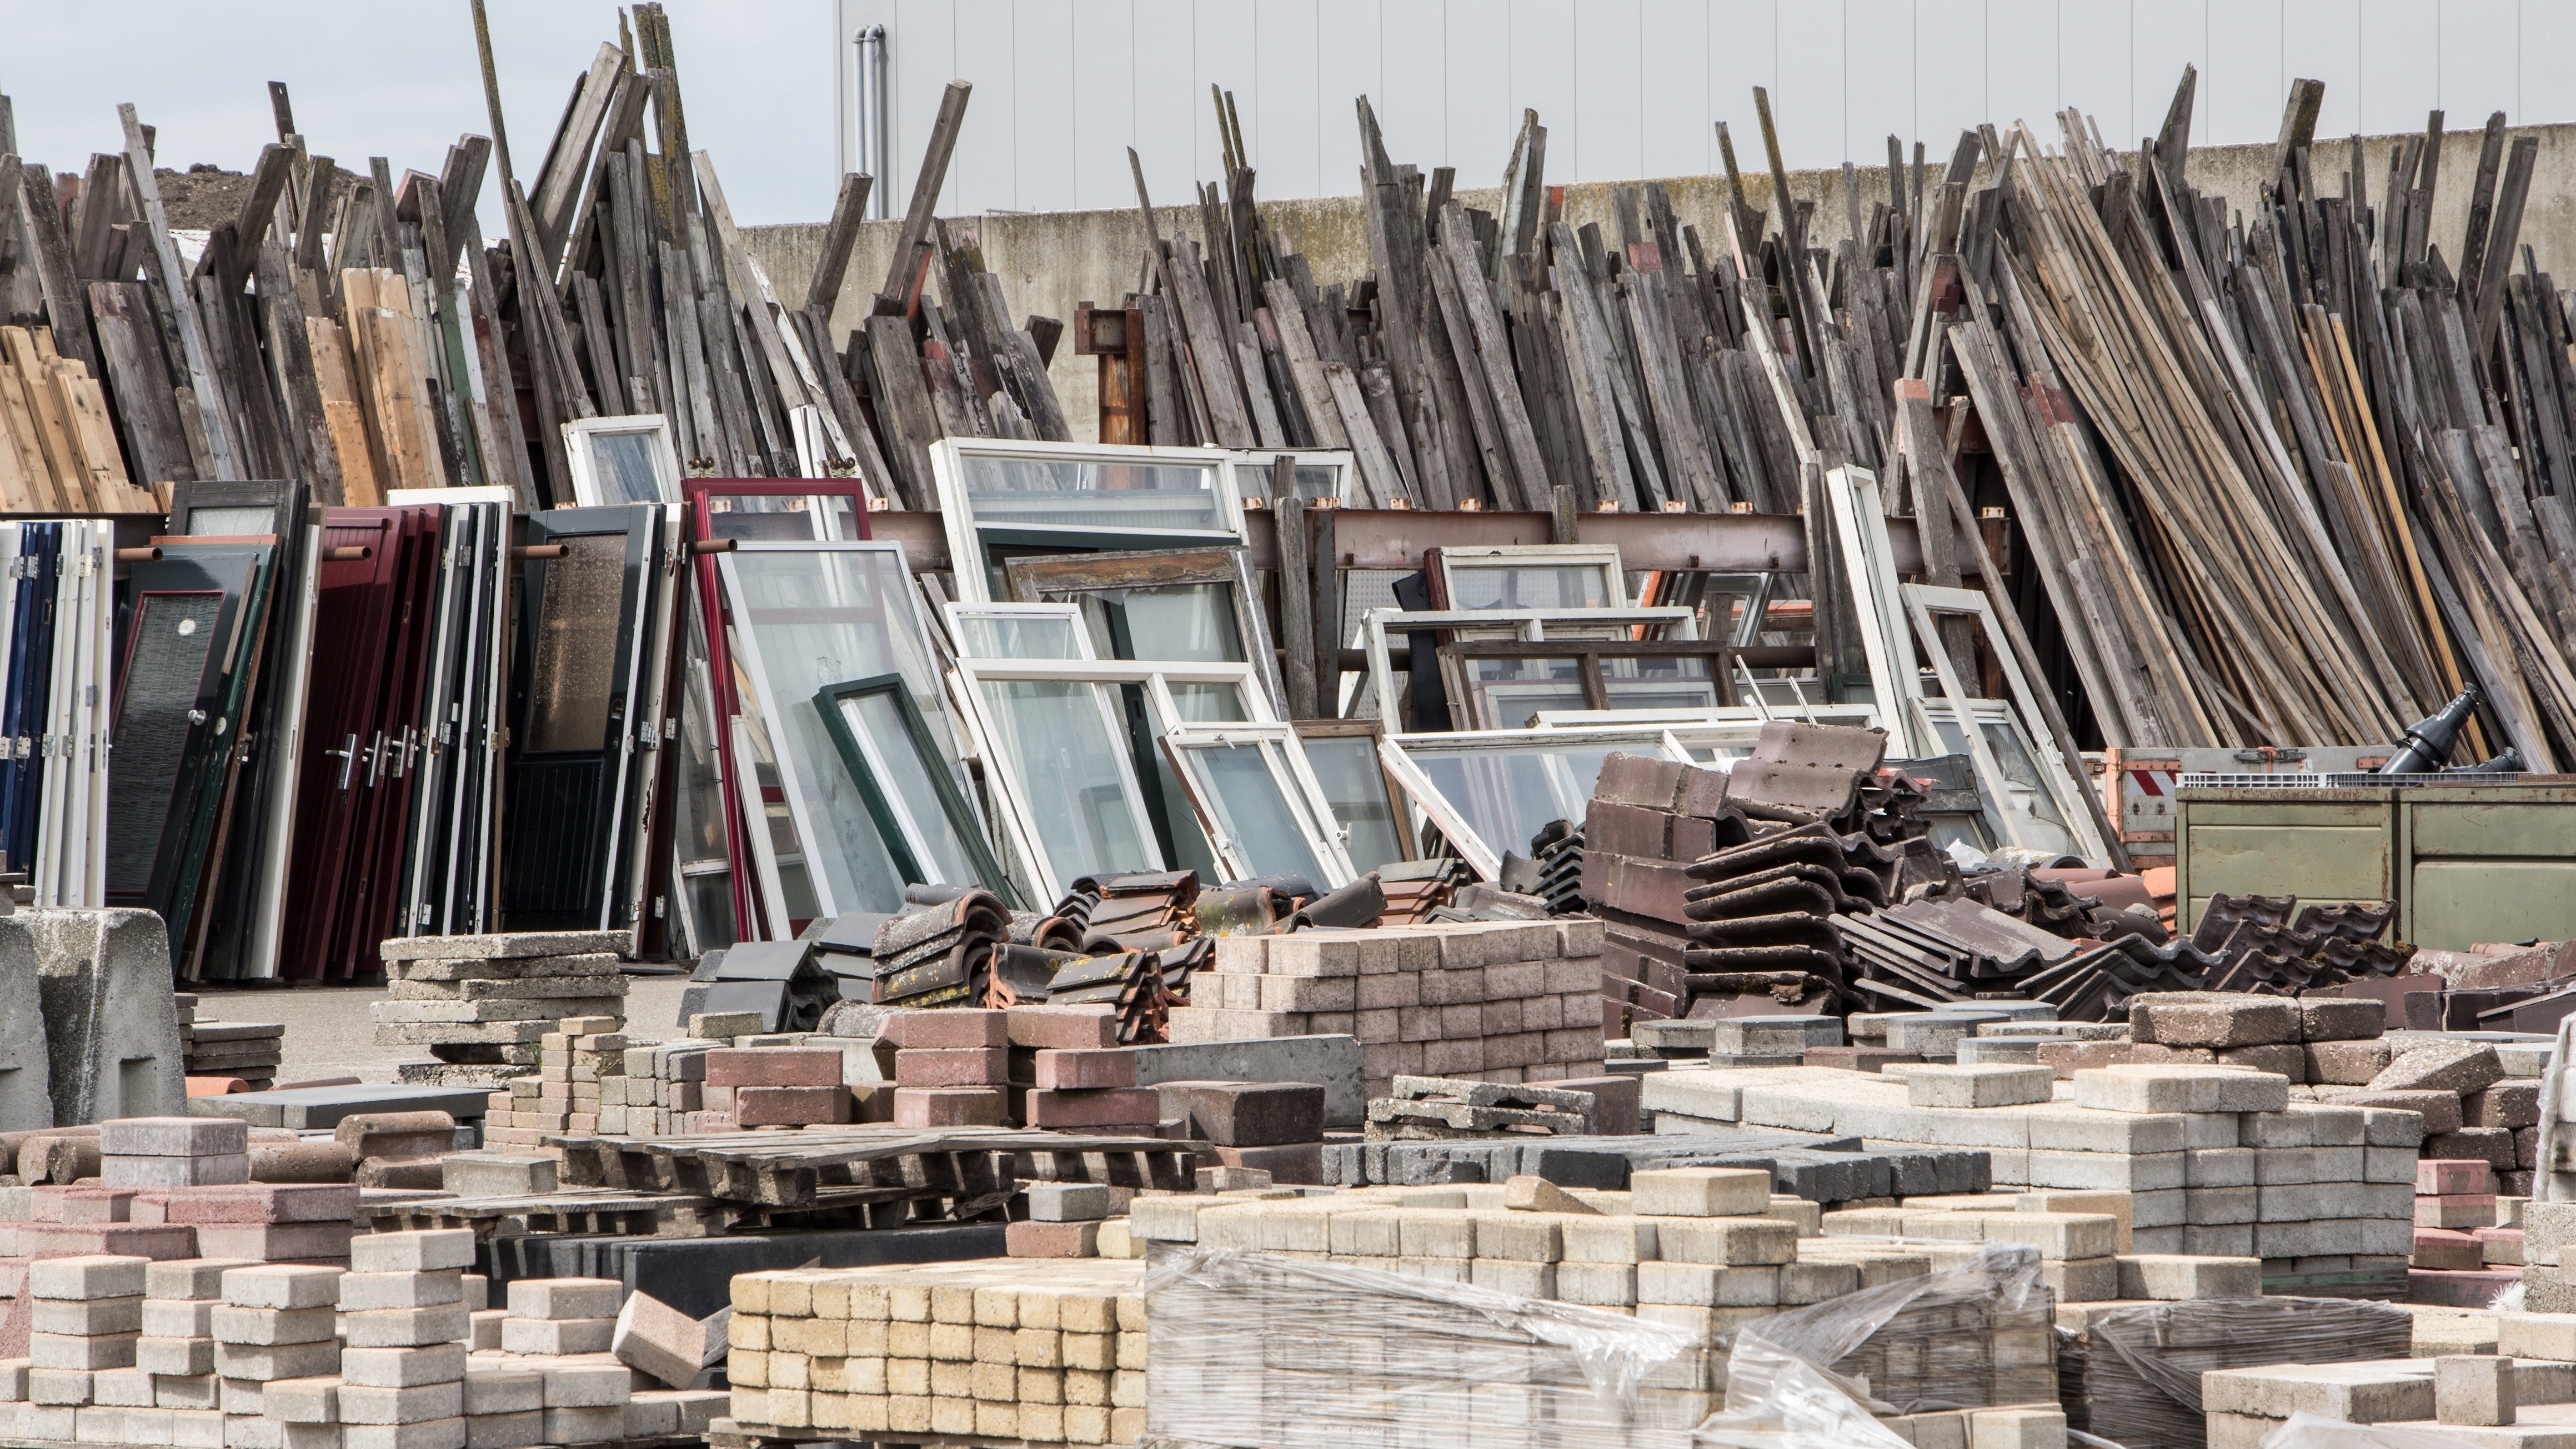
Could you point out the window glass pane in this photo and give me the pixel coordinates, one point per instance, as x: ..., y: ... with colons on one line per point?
x: 574, y: 671
x: 699, y: 848
x: 783, y: 520
x: 1015, y: 636
x: 1524, y: 586
x: 231, y: 522
x: 1346, y: 766
x: 1510, y: 793
x: 1659, y: 684
x: 1093, y: 496
x: 825, y: 616
x: 1252, y: 810
x: 1209, y: 703
x: 626, y: 467
x: 1060, y: 746
x: 887, y: 747
x: 1192, y: 623
x: 2021, y: 772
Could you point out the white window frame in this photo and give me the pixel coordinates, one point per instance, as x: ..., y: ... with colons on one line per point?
x: 1398, y: 752
x: 1285, y: 754
x: 1501, y: 557
x: 952, y: 612
x: 965, y: 681
x: 578, y: 447
x: 957, y: 514
x: 1528, y: 625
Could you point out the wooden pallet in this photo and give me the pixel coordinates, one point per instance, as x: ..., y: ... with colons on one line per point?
x: 727, y: 1434
x: 872, y: 1167
x: 605, y: 1212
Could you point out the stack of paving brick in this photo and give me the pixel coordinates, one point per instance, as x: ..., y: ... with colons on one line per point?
x: 1017, y: 1350
x: 483, y: 1002
x: 2472, y: 1108
x: 2117, y: 1362
x: 1498, y: 1002
x: 2522, y: 1395
x: 251, y: 1222
x: 166, y: 1152
x: 758, y: 1088
x: 1273, y: 1127
x: 560, y: 1092
x: 2218, y: 1160
x: 1706, y: 1249
x: 952, y: 1067
x: 664, y: 1084
x: 246, y: 1051
x: 2455, y: 1216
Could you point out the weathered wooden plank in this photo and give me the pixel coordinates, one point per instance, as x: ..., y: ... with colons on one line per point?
x: 912, y: 248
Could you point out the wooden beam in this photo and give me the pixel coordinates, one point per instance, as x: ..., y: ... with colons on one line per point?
x: 912, y: 246
x: 848, y: 212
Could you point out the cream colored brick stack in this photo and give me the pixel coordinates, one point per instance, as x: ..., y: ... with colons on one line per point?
x: 1484, y: 1001
x: 1041, y: 1351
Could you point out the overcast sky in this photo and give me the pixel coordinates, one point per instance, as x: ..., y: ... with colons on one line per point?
x: 401, y: 82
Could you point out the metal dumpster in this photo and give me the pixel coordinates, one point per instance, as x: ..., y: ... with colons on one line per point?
x: 2465, y: 863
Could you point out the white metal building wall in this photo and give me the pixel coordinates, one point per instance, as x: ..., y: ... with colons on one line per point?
x: 1630, y: 88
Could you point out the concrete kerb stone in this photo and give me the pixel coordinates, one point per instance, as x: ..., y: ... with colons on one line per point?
x: 111, y: 1022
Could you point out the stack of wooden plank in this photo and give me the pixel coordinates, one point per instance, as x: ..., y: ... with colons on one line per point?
x: 58, y: 451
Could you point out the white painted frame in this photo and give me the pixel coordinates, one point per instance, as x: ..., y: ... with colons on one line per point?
x: 1499, y: 558
x: 1397, y: 752
x: 1528, y: 625
x: 966, y: 678
x: 952, y: 612
x: 1922, y: 602
x: 1258, y: 462
x: 1869, y: 566
x: 957, y: 513
x: 578, y: 434
x: 1285, y: 754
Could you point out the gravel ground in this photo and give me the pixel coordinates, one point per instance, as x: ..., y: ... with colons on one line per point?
x: 329, y: 1032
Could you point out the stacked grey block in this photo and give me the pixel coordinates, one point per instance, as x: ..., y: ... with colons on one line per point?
x: 247, y: 1050
x: 2219, y: 1159
x: 662, y: 1083
x: 1818, y: 1169
x: 482, y: 1003
x: 165, y: 1152
x: 1515, y: 1001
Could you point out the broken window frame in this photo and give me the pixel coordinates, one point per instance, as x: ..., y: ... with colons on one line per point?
x: 1030, y: 579
x: 1399, y: 752
x: 581, y: 447
x: 1399, y: 819
x: 1529, y: 625
x: 1291, y: 773
x: 950, y: 459
x: 1471, y: 700
x: 863, y: 755
x: 966, y: 680
x: 955, y: 616
x: 1924, y: 602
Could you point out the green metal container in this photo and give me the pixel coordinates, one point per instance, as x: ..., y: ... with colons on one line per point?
x: 2465, y: 863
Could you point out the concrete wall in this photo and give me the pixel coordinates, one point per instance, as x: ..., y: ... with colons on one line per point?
x: 1048, y: 262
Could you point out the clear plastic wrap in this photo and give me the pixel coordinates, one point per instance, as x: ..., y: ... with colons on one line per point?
x: 2132, y: 1375
x: 1971, y: 1337
x: 1256, y: 1349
